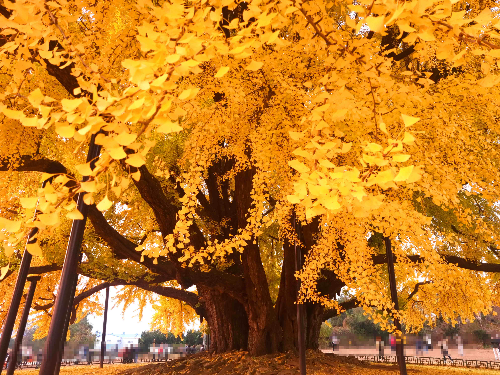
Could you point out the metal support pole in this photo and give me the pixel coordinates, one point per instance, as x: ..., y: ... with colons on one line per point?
x: 103, y: 337
x: 394, y: 296
x: 16, y: 297
x: 66, y: 327
x: 300, y: 306
x: 22, y: 325
x: 69, y: 277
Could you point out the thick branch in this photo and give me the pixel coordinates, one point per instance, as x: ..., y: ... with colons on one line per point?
x: 451, y: 259
x: 347, y: 305
x: 30, y: 163
x: 417, y: 286
x: 126, y: 249
x: 190, y: 298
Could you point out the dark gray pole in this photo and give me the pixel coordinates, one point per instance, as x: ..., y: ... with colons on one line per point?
x: 103, y: 337
x: 16, y: 297
x: 22, y: 325
x: 300, y: 306
x: 66, y: 327
x: 69, y: 277
x: 394, y: 296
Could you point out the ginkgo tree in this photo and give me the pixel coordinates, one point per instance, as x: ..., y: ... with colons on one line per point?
x: 222, y: 121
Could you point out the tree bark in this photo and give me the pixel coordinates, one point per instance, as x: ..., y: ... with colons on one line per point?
x: 264, y: 331
x: 227, y: 320
x: 314, y: 319
x: 285, y: 304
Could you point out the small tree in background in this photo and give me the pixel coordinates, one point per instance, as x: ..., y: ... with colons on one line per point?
x: 193, y: 338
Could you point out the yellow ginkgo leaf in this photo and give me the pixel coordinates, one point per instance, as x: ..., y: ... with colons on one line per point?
x: 167, y: 126
x: 296, y: 135
x: 172, y: 58
x: 88, y: 199
x: 346, y: 147
x: 136, y: 176
x: 373, y: 147
x: 9, y: 250
x: 35, y: 98
x: 331, y: 203
x: 84, y: 169
x: 136, y: 104
x: 34, y: 249
x: 10, y: 225
x: 185, y: 94
x: 12, y: 114
x: 66, y: 131
x: 104, y: 204
x: 3, y: 271
x: 400, y: 158
x: 135, y: 160
x: 408, y: 138
x: 376, y: 24
x: 221, y: 72
x: 415, y: 175
x: 49, y: 219
x: 298, y: 166
x: 117, y: 153
x: 254, y: 65
x: 29, y: 202
x: 404, y: 173
x: 409, y: 120
x: 70, y: 105
x: 89, y: 186
x: 74, y: 215
x: 124, y: 139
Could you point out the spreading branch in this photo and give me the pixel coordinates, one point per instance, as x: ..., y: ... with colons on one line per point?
x: 417, y: 286
x: 450, y: 259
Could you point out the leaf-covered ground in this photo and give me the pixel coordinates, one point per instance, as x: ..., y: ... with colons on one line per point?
x: 240, y: 363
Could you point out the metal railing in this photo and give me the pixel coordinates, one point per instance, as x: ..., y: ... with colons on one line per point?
x: 433, y: 361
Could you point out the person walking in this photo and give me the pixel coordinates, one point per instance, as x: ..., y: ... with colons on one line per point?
x: 428, y: 342
x: 418, y: 346
x: 444, y: 349
x: 335, y: 342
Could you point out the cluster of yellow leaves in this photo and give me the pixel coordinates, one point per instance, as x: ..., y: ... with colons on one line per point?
x: 325, y: 187
x: 173, y: 316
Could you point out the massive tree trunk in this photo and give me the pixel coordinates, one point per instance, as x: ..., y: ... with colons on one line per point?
x: 287, y: 308
x: 264, y: 334
x: 314, y: 319
x: 227, y: 320
x: 285, y: 304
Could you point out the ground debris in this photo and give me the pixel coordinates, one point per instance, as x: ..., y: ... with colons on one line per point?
x: 240, y: 363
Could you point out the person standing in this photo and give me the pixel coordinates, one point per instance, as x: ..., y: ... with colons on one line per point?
x: 460, y: 346
x: 379, y: 345
x: 392, y: 339
x: 429, y: 342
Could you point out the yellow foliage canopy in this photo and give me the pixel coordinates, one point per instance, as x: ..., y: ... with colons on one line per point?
x: 332, y: 123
